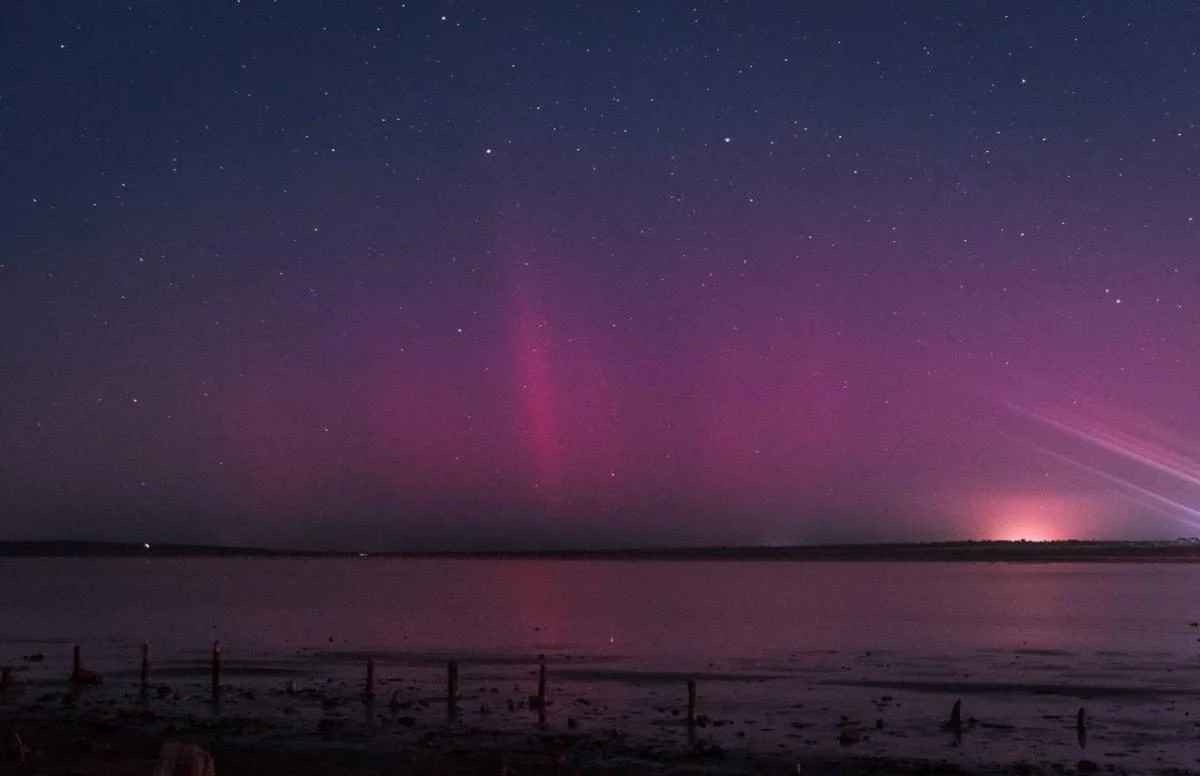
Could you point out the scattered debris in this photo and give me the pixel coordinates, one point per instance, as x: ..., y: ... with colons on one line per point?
x: 15, y: 749
x: 180, y: 759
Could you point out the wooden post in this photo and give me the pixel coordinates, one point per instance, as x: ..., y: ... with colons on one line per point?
x: 541, y: 696
x: 5, y: 678
x: 955, y: 722
x: 370, y: 691
x: 452, y: 687
x: 145, y: 665
x: 691, y: 714
x: 541, y: 682
x: 216, y: 670
x: 79, y: 674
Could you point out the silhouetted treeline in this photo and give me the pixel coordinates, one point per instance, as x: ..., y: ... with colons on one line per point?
x: 1184, y: 550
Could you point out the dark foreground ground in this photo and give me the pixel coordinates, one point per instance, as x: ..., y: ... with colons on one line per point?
x: 91, y: 747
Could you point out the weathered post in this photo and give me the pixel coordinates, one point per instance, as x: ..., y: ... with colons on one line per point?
x: 79, y: 674
x: 370, y: 691
x: 541, y: 696
x: 955, y: 724
x: 691, y: 712
x: 216, y: 670
x: 452, y: 687
x: 145, y: 665
x: 1081, y: 728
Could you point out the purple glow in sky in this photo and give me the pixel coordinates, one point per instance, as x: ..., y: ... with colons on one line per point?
x: 451, y: 276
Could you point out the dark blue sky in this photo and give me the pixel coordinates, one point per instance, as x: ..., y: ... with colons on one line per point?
x: 411, y: 274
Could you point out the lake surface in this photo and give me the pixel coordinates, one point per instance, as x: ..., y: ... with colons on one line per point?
x: 645, y: 609
x: 783, y: 650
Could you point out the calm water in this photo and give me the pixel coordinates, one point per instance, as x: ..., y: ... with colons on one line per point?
x: 642, y: 609
x: 785, y: 649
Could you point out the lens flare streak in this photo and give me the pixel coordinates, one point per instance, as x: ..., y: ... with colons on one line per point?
x: 1126, y: 448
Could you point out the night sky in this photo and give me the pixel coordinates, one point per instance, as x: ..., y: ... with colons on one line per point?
x: 412, y: 275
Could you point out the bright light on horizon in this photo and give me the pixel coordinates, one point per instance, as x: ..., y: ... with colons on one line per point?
x: 1034, y: 518
x: 1030, y: 533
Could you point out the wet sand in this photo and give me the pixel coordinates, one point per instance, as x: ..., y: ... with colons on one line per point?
x: 99, y: 747
x: 824, y: 712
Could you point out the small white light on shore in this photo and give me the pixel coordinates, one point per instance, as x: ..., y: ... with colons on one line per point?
x: 146, y: 545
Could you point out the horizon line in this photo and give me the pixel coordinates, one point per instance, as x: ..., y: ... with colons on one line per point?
x: 948, y: 549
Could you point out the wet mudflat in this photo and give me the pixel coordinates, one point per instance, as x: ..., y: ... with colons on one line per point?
x: 870, y: 684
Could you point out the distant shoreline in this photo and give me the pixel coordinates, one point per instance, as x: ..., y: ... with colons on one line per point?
x: 1078, y: 551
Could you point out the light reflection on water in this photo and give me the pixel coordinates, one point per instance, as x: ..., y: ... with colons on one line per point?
x: 648, y: 609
